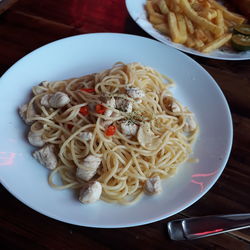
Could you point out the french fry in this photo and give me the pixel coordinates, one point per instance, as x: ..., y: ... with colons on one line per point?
x: 197, y: 6
x: 200, y: 24
x: 156, y: 18
x: 163, y: 7
x: 220, y: 21
x: 173, y: 27
x: 176, y: 7
x: 190, y: 42
x: 229, y: 24
x: 193, y: 16
x: 215, y: 44
x: 200, y: 35
x: 207, y: 4
x: 212, y: 14
x: 182, y: 28
x: 163, y: 28
x: 149, y: 8
x: 155, y: 6
x: 204, y: 13
x: 209, y: 36
x: 170, y: 4
x: 198, y: 44
x: 225, y: 27
x: 207, y: 12
x: 190, y: 26
x: 173, y: 5
x: 238, y: 19
x: 191, y: 1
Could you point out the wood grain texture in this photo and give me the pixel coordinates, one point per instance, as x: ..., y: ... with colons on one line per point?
x: 30, y: 24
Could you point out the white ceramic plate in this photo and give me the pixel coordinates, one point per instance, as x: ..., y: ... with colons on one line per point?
x: 137, y: 11
x: 79, y: 55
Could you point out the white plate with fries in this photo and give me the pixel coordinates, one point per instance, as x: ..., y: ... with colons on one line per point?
x: 202, y: 28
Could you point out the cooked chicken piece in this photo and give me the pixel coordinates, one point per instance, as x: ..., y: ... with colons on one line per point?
x: 88, y: 168
x: 171, y: 104
x: 129, y: 128
x: 190, y: 124
x: 86, y: 136
x: 175, y: 107
x: 41, y: 88
x: 35, y: 138
x: 22, y: 111
x: 105, y: 123
x: 27, y: 112
x: 124, y: 105
x: 56, y: 100
x: 91, y: 192
x: 46, y: 156
x: 153, y: 185
x: 110, y: 102
x: 146, y: 137
x: 135, y: 92
x: 45, y: 100
x: 44, y: 84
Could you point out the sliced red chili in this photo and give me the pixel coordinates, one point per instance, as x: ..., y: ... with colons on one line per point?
x: 110, y: 130
x: 88, y: 90
x: 100, y: 109
x: 84, y: 110
x: 70, y: 126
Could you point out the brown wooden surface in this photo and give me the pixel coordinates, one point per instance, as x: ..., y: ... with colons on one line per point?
x: 30, y: 24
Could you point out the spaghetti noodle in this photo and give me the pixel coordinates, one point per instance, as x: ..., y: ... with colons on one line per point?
x: 124, y: 116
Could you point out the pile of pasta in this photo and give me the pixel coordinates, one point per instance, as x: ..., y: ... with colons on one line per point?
x: 162, y: 140
x: 204, y: 25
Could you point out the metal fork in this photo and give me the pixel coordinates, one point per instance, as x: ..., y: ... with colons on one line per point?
x: 199, y: 227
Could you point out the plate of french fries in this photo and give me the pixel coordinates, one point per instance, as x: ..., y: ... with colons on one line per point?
x: 199, y: 27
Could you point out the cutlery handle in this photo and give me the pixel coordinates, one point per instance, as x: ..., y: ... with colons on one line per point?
x: 199, y: 227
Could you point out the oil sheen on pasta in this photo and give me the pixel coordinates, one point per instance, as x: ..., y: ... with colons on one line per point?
x: 137, y: 129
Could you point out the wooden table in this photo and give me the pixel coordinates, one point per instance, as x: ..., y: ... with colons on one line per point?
x: 30, y: 24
